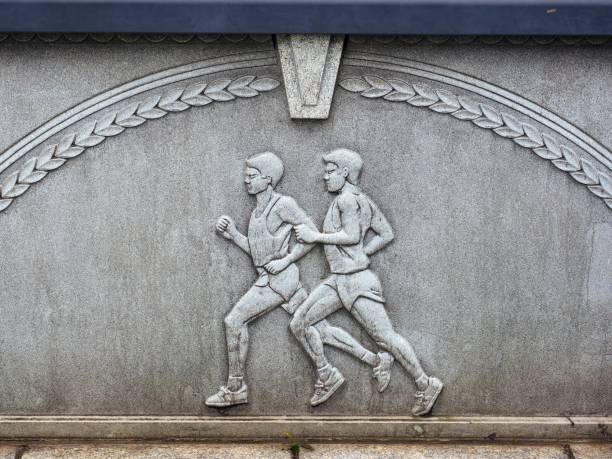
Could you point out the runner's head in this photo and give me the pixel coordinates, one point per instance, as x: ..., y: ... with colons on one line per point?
x: 263, y: 170
x: 342, y: 165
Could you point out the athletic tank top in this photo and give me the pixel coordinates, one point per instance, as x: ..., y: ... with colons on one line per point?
x: 346, y: 259
x: 265, y: 246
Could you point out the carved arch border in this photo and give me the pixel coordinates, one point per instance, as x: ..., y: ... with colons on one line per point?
x: 592, y: 168
x: 114, y: 122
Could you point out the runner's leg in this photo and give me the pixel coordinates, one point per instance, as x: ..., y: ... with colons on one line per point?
x: 320, y: 303
x: 373, y: 317
x: 255, y: 302
x: 340, y: 338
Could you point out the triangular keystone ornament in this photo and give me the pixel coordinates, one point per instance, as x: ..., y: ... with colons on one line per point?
x: 310, y: 67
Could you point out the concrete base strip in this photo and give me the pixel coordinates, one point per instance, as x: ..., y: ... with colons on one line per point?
x: 311, y: 428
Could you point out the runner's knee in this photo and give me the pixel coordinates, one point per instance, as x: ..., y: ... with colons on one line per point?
x: 298, y: 324
x: 233, y: 322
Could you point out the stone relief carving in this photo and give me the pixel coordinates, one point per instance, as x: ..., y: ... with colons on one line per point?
x: 115, y: 122
x: 352, y: 285
x: 487, y: 117
x: 267, y: 241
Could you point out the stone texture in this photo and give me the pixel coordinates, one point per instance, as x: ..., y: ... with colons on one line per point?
x: 115, y: 286
x: 310, y: 66
x: 591, y: 450
x: 315, y: 450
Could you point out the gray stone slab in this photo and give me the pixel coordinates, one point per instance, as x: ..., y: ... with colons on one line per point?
x: 115, y: 284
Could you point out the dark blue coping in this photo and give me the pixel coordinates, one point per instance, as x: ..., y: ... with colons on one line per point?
x: 414, y: 17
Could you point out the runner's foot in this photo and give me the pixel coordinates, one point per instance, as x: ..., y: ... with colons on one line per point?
x: 325, y: 389
x: 425, y: 399
x: 226, y: 397
x: 382, y: 372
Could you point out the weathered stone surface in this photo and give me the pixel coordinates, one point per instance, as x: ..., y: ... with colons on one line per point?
x: 115, y: 285
x: 314, y: 450
x: 591, y: 450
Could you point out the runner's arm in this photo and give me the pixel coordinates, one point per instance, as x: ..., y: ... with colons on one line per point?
x: 241, y: 241
x: 349, y: 217
x: 384, y: 233
x: 291, y: 212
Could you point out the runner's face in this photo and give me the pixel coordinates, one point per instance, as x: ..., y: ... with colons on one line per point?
x: 334, y: 179
x: 255, y: 182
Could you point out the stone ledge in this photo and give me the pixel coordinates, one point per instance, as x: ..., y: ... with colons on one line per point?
x: 277, y: 450
x: 311, y: 428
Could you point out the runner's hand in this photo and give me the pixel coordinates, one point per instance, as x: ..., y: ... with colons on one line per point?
x: 276, y: 266
x: 305, y: 234
x: 226, y: 227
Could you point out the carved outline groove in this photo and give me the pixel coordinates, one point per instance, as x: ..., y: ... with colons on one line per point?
x: 486, y: 117
x: 117, y: 121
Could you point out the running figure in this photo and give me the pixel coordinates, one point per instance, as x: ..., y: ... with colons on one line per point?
x: 351, y: 284
x: 278, y: 284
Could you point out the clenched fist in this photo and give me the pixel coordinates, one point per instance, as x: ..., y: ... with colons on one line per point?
x: 226, y: 227
x: 305, y: 234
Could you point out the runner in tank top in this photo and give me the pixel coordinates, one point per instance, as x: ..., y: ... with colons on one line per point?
x: 352, y: 284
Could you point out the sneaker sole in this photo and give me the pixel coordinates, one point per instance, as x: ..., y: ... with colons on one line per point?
x: 331, y: 392
x: 225, y: 404
x: 431, y: 402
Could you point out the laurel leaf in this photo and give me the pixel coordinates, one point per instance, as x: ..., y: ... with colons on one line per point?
x: 17, y: 190
x: 243, y: 91
x: 354, y: 85
x: 4, y: 203
x: 570, y: 156
x: 606, y: 182
x: 170, y: 97
x: 491, y: 114
x: 86, y: 139
x: 465, y: 115
x: 193, y: 91
x: 46, y: 155
x: 448, y: 98
x: 220, y: 96
x: 105, y: 122
x: 526, y: 142
x: 506, y: 132
x: 66, y: 142
x: 264, y: 84
x: 70, y: 153
x: 513, y: 124
x: 27, y: 169
x: 545, y: 153
x: 375, y: 93
x: 378, y: 83
x: 533, y: 134
x: 148, y: 104
x: 131, y: 121
x: 402, y: 87
x: 198, y: 101
x: 51, y: 164
x: 486, y: 123
x: 599, y: 191
x: 396, y: 96
x: 564, y: 165
x: 552, y: 145
x: 441, y: 107
x: 177, y: 106
x: 34, y: 177
x: 470, y: 106
x: 89, y: 141
x: 240, y: 82
x: 110, y: 131
x: 217, y: 86
x: 126, y: 113
x: 9, y: 184
x: 588, y: 174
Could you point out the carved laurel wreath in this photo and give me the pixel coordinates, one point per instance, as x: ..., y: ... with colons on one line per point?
x: 114, y: 123
x: 487, y: 117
